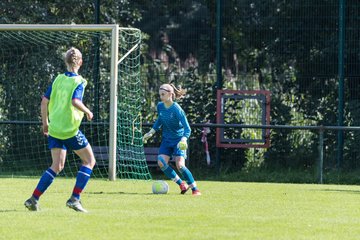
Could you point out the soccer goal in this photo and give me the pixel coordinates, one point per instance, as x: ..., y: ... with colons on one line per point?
x: 31, y: 56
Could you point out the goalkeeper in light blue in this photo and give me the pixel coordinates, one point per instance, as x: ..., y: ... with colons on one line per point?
x: 62, y: 111
x: 175, y: 133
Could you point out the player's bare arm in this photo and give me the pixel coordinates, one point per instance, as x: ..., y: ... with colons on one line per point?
x: 44, y: 115
x: 80, y: 105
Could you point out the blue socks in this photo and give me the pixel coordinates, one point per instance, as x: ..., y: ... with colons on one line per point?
x: 45, y: 181
x: 49, y: 175
x: 189, y: 177
x: 82, y: 178
x: 169, y: 172
x: 185, y: 172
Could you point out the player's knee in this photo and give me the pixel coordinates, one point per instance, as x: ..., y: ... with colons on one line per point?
x: 160, y: 164
x: 57, y: 168
x: 90, y: 163
x: 161, y: 161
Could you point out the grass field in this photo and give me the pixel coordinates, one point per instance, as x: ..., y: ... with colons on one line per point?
x: 226, y: 210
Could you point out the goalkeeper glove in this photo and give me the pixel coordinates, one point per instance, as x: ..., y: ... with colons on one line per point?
x: 148, y: 135
x: 182, y: 144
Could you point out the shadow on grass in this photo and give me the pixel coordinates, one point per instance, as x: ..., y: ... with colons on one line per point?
x: 119, y: 193
x: 7, y: 210
x: 339, y: 190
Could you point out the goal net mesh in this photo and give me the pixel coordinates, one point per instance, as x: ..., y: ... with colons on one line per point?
x: 30, y: 60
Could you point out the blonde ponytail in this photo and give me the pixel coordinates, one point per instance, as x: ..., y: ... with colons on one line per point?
x: 179, y: 92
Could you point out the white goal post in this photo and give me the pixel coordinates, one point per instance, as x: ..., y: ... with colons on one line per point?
x: 114, y: 72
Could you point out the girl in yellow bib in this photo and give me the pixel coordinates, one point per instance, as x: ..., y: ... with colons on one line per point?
x: 62, y: 111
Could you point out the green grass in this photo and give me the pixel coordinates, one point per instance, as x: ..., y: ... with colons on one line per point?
x: 226, y: 210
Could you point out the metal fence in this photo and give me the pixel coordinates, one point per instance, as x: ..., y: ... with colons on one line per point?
x: 306, y: 53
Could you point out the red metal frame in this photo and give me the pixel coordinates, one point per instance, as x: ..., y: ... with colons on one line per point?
x: 220, y: 94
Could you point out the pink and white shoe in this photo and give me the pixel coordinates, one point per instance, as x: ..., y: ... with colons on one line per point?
x: 196, y: 192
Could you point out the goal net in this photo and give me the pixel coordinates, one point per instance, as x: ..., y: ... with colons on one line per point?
x: 31, y: 57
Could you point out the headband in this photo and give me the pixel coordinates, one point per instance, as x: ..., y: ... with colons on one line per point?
x: 165, y: 89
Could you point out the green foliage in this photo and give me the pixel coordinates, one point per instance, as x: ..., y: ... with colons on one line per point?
x: 287, y: 47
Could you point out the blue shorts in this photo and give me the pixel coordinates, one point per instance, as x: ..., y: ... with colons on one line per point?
x: 169, y: 147
x: 77, y: 142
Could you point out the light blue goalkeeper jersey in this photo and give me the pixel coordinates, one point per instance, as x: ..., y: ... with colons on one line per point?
x: 173, y: 121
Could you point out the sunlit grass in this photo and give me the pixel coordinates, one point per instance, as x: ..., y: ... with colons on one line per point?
x: 226, y: 210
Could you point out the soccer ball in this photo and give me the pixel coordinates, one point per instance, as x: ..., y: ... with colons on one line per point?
x: 160, y: 187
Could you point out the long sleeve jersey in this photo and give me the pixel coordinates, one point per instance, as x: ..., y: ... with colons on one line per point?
x: 173, y: 121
